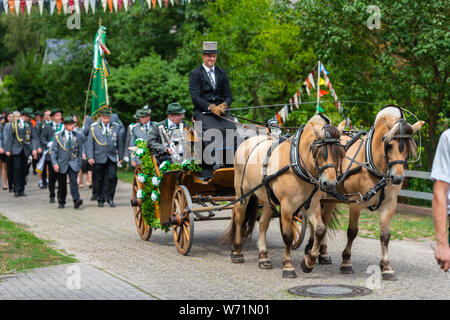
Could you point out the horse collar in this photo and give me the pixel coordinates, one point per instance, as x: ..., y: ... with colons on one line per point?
x: 295, y: 159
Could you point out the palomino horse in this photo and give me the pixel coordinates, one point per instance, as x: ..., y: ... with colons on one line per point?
x: 377, y: 182
x: 292, y: 172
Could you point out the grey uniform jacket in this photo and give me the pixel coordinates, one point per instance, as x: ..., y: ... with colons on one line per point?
x: 27, y: 135
x: 138, y: 132
x: 5, y: 133
x: 127, y: 141
x: 101, y: 148
x: 47, y: 134
x: 64, y: 155
x: 2, y: 126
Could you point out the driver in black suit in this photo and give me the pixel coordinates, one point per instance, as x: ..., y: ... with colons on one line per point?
x: 211, y: 95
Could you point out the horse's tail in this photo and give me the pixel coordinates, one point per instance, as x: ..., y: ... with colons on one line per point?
x: 334, y: 221
x: 249, y: 222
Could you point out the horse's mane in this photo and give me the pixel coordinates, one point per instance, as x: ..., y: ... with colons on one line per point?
x: 397, y: 113
x: 337, y: 152
x: 389, y: 110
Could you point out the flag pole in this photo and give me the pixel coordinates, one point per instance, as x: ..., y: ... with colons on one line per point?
x: 318, y: 86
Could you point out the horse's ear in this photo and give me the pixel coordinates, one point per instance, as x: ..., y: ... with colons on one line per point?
x: 341, y: 126
x: 416, y: 126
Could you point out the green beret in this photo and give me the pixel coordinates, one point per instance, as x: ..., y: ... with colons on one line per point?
x: 144, y: 112
x: 55, y: 110
x: 174, y: 108
x: 68, y: 119
x: 106, y: 112
x: 28, y: 112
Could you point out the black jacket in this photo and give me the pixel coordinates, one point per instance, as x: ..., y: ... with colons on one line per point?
x: 202, y: 92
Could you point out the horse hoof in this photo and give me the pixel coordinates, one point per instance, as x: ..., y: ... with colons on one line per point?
x: 237, y: 258
x: 346, y: 270
x: 265, y: 264
x: 289, y: 274
x: 304, y: 267
x: 388, y: 276
x: 325, y: 260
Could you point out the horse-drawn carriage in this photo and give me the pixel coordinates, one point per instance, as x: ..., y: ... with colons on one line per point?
x: 187, y: 197
x: 290, y: 178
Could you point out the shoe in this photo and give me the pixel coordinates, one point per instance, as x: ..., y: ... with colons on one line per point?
x: 5, y: 187
x: 44, y: 186
x: 52, y: 200
x: 111, y: 203
x: 81, y: 186
x: 78, y: 203
x: 61, y: 206
x: 21, y: 194
x: 101, y: 205
x: 16, y: 194
x: 93, y: 198
x: 90, y: 186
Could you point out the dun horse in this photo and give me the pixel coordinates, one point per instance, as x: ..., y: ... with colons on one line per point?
x: 376, y: 183
x: 292, y: 172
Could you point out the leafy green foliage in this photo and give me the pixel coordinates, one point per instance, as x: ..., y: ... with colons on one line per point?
x: 267, y: 48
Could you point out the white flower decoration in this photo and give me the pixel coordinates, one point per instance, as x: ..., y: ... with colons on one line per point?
x: 155, y: 196
x: 141, y: 178
x: 140, y: 194
x: 156, y: 181
x: 139, y: 152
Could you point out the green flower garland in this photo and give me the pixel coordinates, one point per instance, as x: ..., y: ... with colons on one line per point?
x: 150, y: 194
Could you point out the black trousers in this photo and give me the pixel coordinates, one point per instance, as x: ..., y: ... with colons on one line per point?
x: 10, y: 172
x: 62, y: 186
x: 44, y: 174
x: 52, y: 178
x: 19, y: 171
x: 228, y: 145
x: 104, y: 177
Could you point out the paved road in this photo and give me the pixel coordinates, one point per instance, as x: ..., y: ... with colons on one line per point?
x: 77, y: 281
x: 107, y: 239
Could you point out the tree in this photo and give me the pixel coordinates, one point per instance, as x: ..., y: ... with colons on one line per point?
x: 403, y: 62
x: 261, y: 48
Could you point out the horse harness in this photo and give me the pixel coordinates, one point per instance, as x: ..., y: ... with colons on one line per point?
x: 370, y: 166
x: 296, y: 164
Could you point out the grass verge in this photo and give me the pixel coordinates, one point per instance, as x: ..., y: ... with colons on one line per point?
x: 125, y: 175
x: 403, y: 226
x: 21, y: 250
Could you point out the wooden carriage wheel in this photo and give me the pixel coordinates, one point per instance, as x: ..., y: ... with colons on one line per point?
x: 144, y: 229
x: 183, y: 232
x: 299, y: 226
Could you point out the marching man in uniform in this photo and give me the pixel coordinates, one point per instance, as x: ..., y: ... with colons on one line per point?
x: 47, y: 136
x: 104, y: 149
x: 66, y: 161
x: 21, y: 141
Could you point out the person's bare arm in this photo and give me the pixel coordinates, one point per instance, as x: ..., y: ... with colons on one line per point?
x: 442, y: 252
